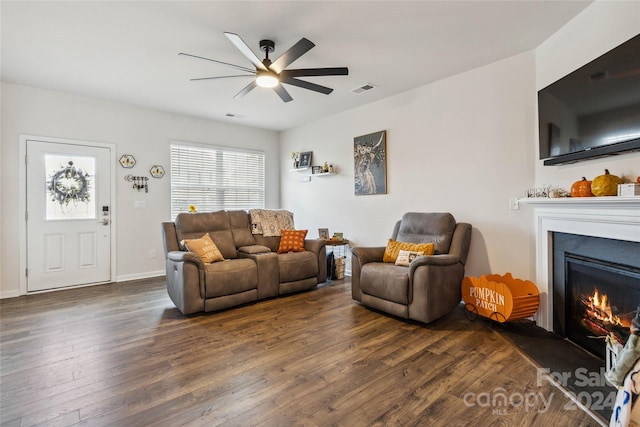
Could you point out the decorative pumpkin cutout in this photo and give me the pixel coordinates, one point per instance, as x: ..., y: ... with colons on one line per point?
x: 605, y: 185
x: 581, y: 188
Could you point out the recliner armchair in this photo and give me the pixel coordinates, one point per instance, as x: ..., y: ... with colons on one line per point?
x: 429, y: 287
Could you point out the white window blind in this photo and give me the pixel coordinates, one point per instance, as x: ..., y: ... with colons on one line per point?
x: 213, y: 178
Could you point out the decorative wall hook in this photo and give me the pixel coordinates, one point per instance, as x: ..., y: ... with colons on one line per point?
x: 139, y: 182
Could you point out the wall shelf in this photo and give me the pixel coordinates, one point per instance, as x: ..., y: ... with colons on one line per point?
x: 318, y: 175
x: 308, y: 175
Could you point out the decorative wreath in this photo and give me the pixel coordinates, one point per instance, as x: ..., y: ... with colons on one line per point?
x: 69, y: 184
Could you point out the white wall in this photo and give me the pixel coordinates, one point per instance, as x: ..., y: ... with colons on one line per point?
x: 598, y: 29
x: 465, y: 144
x: 462, y: 145
x: 141, y: 132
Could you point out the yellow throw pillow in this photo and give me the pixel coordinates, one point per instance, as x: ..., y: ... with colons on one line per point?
x: 405, y: 257
x: 292, y: 241
x: 204, y: 248
x: 394, y: 247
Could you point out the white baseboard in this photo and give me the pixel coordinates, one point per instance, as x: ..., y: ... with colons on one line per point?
x: 138, y: 276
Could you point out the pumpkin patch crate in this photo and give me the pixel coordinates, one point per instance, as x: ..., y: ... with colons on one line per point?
x: 499, y: 298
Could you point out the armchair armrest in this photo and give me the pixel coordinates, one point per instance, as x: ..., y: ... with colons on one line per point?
x: 185, y: 281
x: 441, y: 259
x: 184, y: 256
x: 318, y: 247
x: 359, y: 257
x: 436, y: 260
x: 434, y: 286
x: 367, y: 255
x: 314, y: 245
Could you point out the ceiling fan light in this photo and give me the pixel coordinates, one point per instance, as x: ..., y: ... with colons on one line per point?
x: 267, y: 79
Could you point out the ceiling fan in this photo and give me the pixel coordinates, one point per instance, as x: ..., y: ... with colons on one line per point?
x: 273, y: 74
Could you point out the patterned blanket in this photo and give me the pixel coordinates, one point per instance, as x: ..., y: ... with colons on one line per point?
x: 625, y: 412
x: 270, y: 222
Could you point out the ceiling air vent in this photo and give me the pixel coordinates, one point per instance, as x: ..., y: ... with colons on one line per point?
x: 364, y: 88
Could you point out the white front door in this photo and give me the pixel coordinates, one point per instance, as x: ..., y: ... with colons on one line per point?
x: 68, y: 215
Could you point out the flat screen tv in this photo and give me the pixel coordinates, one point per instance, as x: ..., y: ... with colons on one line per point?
x: 595, y: 110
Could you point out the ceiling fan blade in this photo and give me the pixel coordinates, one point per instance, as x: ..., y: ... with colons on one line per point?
x: 239, y: 67
x: 282, y: 93
x: 248, y: 88
x: 245, y: 50
x: 220, y: 77
x: 294, y: 52
x: 308, y: 72
x: 306, y: 85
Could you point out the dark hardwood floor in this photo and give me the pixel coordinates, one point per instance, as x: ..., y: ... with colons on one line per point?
x: 122, y: 354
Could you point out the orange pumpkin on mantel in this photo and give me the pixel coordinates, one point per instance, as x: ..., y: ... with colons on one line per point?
x: 605, y: 185
x: 581, y: 188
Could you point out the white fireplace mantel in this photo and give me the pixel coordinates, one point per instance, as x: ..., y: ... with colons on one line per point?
x: 608, y: 217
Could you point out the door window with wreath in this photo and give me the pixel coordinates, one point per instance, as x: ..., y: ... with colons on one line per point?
x: 70, y: 187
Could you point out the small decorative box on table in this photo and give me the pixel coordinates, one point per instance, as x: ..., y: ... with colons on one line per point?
x: 499, y: 298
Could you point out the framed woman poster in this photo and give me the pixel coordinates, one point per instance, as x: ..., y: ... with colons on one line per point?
x: 370, y: 163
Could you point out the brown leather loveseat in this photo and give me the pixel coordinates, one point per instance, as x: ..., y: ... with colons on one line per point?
x: 251, y: 270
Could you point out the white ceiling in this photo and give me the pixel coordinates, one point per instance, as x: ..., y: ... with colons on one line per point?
x: 128, y: 51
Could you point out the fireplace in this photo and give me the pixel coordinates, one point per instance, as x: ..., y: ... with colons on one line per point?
x: 596, y: 288
x: 615, y: 218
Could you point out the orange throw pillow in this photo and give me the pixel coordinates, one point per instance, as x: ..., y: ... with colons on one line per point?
x: 204, y: 248
x: 394, y: 247
x: 292, y: 241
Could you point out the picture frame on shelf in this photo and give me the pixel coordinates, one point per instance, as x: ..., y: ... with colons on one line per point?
x: 323, y: 233
x: 305, y: 160
x: 316, y: 169
x: 338, y: 236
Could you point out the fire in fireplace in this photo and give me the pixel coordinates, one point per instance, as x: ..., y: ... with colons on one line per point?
x: 602, y: 299
x: 596, y: 289
x: 599, y: 318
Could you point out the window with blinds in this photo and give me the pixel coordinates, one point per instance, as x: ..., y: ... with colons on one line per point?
x: 213, y: 178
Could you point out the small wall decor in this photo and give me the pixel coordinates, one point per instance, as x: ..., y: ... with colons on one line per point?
x: 139, y: 182
x: 157, y: 171
x: 370, y: 163
x: 127, y: 161
x: 305, y: 160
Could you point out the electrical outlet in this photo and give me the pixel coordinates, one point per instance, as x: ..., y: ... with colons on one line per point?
x: 513, y: 204
x: 153, y: 254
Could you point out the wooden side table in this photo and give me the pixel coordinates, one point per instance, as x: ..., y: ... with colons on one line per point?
x: 339, y: 247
